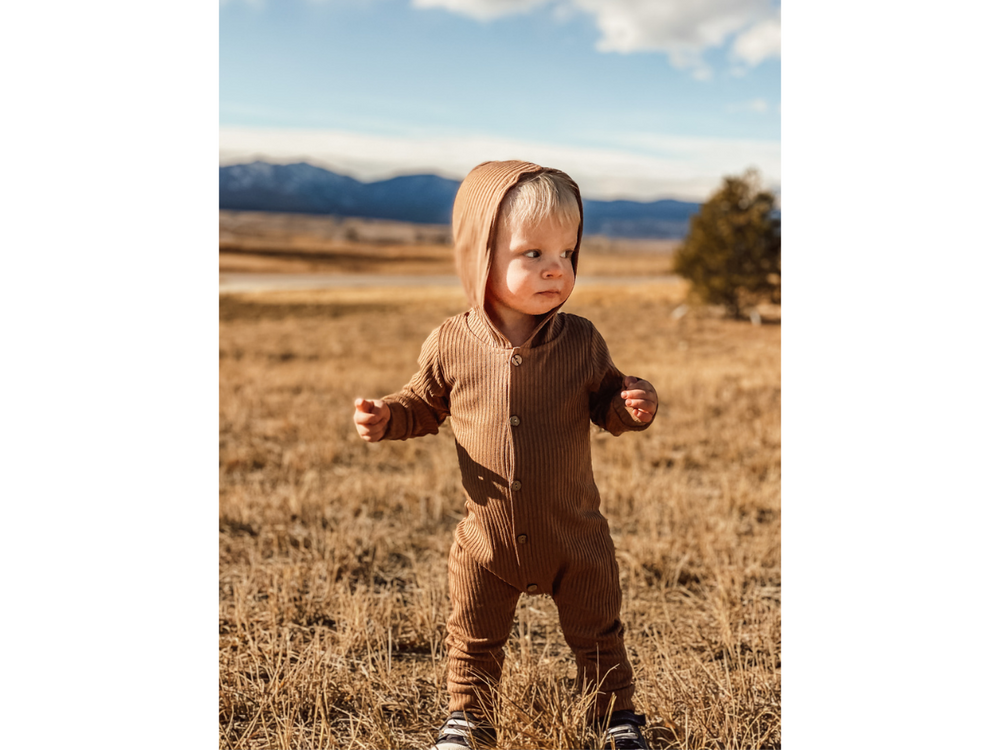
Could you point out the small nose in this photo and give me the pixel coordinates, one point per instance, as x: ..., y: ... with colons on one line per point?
x: 553, y: 270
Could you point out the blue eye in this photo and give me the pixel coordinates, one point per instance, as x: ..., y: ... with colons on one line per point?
x: 532, y: 254
x: 567, y: 253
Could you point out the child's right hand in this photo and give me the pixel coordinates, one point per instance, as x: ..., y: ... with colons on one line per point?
x: 370, y: 418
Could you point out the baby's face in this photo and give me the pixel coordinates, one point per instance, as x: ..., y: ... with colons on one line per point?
x: 532, y: 269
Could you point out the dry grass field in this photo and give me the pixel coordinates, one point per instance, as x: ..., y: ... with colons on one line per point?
x: 333, y: 590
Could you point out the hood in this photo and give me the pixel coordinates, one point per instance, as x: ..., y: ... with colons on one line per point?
x: 475, y: 220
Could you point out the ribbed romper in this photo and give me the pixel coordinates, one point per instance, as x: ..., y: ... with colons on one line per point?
x: 521, y: 418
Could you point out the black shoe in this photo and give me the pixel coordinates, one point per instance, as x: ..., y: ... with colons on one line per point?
x: 463, y: 730
x: 623, y: 731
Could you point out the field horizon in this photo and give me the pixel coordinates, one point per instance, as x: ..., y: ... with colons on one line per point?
x: 261, y: 242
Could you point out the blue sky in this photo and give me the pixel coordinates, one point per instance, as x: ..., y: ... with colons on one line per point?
x: 635, y: 98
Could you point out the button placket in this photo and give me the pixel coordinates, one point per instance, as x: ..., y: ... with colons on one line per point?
x: 515, y: 485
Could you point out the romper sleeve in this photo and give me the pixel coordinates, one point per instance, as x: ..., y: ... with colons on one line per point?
x: 607, y: 407
x: 423, y: 404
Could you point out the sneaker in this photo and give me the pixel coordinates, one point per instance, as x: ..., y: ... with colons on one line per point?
x: 462, y: 731
x: 623, y: 732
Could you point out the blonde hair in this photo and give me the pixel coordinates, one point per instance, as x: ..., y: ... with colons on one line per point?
x: 542, y: 196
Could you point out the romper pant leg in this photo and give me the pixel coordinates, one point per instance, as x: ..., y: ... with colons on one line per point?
x: 482, y: 613
x: 589, y: 599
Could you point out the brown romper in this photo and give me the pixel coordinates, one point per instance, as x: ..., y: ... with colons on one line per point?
x: 521, y: 418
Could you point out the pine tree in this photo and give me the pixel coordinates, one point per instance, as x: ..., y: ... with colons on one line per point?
x: 732, y: 254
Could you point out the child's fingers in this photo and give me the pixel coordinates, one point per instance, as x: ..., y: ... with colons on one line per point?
x: 638, y: 393
x: 370, y: 418
x: 370, y: 435
x: 367, y: 406
x: 644, y: 401
x: 640, y: 398
x: 637, y: 404
x: 636, y: 384
x: 642, y: 416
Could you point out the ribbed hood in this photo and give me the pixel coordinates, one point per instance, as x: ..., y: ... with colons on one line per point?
x: 475, y: 220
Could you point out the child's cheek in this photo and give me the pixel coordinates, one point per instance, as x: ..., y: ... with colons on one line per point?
x: 517, y: 275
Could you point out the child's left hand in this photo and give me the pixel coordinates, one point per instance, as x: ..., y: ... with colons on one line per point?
x: 640, y: 399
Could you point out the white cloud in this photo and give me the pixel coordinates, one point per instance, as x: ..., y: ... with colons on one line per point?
x: 759, y: 42
x: 681, y: 29
x: 482, y: 10
x: 643, y: 167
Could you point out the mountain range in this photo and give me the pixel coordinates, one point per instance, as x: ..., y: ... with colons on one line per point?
x: 422, y: 199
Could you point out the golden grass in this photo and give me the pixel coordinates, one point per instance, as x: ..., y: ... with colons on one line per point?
x: 333, y: 590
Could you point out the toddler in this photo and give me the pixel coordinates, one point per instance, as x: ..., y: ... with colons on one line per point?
x: 522, y: 382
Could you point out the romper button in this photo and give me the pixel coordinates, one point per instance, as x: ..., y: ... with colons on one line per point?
x: 516, y: 359
x: 522, y: 538
x: 515, y: 485
x: 515, y: 420
x: 532, y: 588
